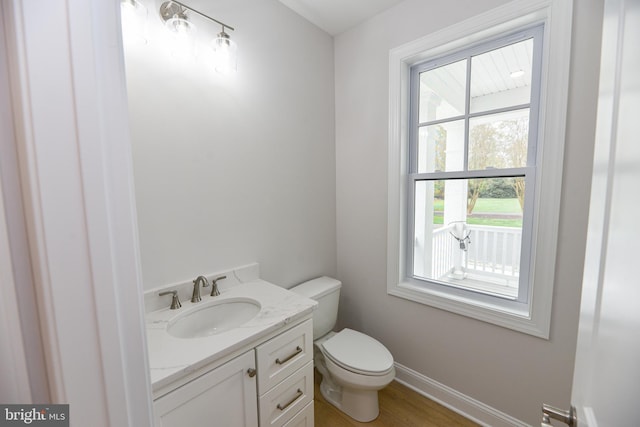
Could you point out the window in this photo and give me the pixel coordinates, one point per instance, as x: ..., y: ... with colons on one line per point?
x: 477, y: 119
x: 472, y: 164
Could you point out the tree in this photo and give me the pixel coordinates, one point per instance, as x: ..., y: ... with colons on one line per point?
x: 499, y: 188
x: 484, y: 145
x: 440, y: 143
x: 515, y: 134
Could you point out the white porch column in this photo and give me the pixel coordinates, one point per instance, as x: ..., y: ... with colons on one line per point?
x: 455, y: 192
x: 423, y: 239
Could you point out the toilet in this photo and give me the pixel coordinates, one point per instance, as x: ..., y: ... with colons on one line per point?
x: 354, y: 366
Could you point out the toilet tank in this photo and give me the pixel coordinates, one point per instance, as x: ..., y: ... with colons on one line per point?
x: 326, y: 291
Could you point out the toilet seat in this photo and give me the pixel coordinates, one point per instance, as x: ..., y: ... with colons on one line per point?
x: 358, y: 353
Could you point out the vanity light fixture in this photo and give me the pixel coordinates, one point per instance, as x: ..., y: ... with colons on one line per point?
x: 174, y: 14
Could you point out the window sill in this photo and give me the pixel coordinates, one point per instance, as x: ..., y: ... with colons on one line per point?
x: 518, y: 319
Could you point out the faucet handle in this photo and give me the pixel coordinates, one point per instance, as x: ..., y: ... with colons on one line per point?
x: 214, y: 291
x: 175, y: 300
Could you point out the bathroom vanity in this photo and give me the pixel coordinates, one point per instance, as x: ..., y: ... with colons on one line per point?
x: 255, y: 373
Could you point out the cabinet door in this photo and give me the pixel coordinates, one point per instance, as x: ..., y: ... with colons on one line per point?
x: 225, y: 396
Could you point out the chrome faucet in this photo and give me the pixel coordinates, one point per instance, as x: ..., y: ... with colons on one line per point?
x: 214, y: 290
x: 175, y: 300
x: 195, y: 297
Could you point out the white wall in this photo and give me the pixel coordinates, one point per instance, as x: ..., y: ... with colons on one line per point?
x: 229, y: 172
x: 506, y: 370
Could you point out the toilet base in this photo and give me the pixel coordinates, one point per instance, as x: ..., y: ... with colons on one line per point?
x: 354, y: 394
x: 361, y: 405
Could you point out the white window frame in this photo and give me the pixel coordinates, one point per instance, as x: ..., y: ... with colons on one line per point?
x: 556, y: 16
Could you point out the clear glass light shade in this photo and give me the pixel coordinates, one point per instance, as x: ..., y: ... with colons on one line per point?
x: 180, y: 26
x: 225, y: 54
x: 181, y: 41
x: 134, y: 20
x: 132, y: 9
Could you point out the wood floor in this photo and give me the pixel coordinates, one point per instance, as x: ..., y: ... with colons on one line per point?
x: 399, y: 407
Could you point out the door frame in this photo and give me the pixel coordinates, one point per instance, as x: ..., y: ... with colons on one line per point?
x: 72, y: 138
x: 608, y: 316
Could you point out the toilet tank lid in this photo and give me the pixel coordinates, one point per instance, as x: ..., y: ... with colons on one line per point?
x: 317, y: 288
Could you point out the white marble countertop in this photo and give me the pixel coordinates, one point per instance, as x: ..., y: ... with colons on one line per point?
x: 171, y: 358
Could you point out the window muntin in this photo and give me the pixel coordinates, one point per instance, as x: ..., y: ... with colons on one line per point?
x: 471, y: 156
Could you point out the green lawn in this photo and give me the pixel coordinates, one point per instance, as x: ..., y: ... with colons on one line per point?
x: 497, y: 205
x: 499, y: 222
x: 486, y: 206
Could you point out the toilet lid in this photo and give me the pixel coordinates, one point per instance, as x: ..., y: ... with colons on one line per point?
x: 358, y: 353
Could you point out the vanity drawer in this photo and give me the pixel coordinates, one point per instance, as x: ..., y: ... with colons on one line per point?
x: 303, y: 418
x: 280, y: 404
x: 281, y: 356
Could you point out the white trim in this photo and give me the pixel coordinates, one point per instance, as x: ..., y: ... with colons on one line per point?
x: 72, y: 136
x: 557, y: 17
x: 14, y: 387
x: 13, y: 370
x: 23, y: 365
x: 460, y: 403
x: 16, y: 53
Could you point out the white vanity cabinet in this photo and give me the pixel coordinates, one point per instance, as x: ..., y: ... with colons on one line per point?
x: 269, y: 385
x: 225, y: 396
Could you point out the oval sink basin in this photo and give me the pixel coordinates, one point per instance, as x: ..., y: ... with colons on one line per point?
x: 213, y: 318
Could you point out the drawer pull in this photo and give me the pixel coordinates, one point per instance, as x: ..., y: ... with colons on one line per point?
x: 291, y: 356
x: 286, y: 405
x: 251, y: 372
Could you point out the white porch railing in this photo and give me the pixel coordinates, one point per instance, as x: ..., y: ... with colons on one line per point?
x: 493, y: 251
x: 442, y: 252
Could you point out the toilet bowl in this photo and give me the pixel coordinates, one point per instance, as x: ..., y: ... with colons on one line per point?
x: 354, y: 366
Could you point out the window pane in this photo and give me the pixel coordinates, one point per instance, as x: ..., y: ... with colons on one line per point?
x: 499, y: 140
x: 441, y: 147
x: 442, y: 92
x: 468, y: 233
x: 502, y: 77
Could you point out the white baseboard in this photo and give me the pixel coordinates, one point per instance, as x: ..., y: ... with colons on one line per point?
x: 464, y: 405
